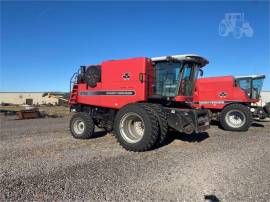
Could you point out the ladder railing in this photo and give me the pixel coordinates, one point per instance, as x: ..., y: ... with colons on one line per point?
x: 73, y: 79
x: 73, y: 87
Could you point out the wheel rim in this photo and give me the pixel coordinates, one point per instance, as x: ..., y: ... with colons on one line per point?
x: 78, y: 126
x: 132, y: 127
x: 235, y: 118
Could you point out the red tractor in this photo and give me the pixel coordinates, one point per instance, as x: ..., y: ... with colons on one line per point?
x: 231, y: 100
x: 139, y: 98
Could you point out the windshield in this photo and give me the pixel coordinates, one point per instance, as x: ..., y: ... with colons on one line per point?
x: 252, y: 86
x: 256, y: 88
x: 175, y: 78
x: 167, y: 78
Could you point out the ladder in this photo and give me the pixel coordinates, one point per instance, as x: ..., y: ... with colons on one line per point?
x: 73, y: 95
x: 73, y: 85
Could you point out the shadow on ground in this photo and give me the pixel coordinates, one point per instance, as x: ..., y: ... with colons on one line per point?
x: 99, y: 134
x: 216, y: 123
x: 257, y: 125
x: 172, y: 136
x: 211, y: 198
x: 194, y: 137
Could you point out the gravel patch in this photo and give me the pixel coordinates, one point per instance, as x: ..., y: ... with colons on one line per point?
x: 41, y: 161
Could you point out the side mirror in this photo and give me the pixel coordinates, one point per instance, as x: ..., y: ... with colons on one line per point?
x: 201, y: 72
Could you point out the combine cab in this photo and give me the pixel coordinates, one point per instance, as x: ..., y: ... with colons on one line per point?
x: 231, y: 100
x: 138, y: 98
x: 252, y: 85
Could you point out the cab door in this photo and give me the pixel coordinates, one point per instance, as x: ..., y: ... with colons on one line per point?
x: 187, y: 80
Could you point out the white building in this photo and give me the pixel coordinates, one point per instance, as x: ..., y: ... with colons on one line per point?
x: 29, y: 98
x: 265, y: 96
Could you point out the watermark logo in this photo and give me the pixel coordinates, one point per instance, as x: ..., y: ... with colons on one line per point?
x: 235, y: 24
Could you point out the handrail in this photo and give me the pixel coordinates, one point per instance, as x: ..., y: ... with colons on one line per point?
x: 73, y: 79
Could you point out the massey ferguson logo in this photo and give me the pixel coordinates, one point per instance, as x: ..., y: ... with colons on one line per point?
x: 223, y: 94
x: 126, y: 76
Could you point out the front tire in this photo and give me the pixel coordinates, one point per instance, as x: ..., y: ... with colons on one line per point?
x: 136, y: 128
x: 236, y: 117
x: 162, y: 121
x: 82, y: 126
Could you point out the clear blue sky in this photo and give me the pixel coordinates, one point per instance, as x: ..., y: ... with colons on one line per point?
x: 43, y: 43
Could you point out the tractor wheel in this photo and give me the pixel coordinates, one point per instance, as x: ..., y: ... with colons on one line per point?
x: 223, y: 28
x: 136, y: 128
x: 82, y: 126
x: 247, y: 29
x: 162, y: 120
x: 92, y: 76
x: 236, y: 117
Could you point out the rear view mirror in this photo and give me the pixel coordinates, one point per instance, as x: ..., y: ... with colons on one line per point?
x: 201, y: 72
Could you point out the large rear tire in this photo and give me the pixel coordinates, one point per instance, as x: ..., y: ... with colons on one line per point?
x: 136, y: 128
x: 236, y: 117
x: 161, y: 116
x: 82, y: 126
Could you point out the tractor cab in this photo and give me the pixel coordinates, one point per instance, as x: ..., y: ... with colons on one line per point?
x: 252, y: 85
x: 175, y: 76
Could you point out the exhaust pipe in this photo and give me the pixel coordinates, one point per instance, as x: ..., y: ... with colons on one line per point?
x: 83, y: 69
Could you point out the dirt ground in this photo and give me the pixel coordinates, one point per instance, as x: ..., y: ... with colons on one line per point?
x: 41, y: 161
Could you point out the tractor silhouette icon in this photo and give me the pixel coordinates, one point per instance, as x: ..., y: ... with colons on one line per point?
x: 235, y: 23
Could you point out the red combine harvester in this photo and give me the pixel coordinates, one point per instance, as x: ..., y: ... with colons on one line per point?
x: 231, y: 100
x: 138, y: 98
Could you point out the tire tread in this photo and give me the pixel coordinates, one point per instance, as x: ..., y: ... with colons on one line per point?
x: 241, y: 107
x: 151, y: 139
x: 161, y: 116
x: 89, y: 124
